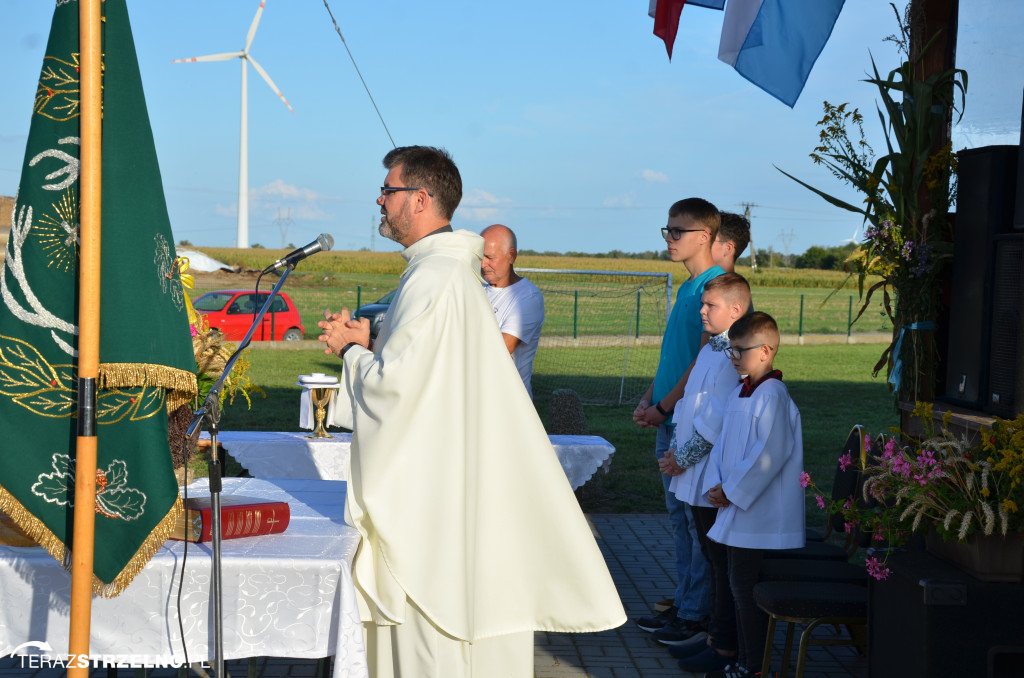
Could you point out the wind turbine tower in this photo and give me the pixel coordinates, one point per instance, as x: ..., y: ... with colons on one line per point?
x: 243, y: 146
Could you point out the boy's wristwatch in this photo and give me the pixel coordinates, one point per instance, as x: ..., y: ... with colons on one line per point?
x: 660, y: 409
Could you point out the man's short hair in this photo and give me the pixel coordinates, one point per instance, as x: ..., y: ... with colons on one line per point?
x: 430, y: 168
x: 735, y: 228
x: 757, y: 322
x: 733, y: 287
x: 701, y: 211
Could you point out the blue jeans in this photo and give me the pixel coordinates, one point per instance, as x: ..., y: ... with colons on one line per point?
x: 693, y: 593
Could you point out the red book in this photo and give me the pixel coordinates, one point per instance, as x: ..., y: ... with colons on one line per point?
x: 240, y: 517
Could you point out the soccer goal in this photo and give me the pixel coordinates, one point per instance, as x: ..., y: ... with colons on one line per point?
x: 602, y: 332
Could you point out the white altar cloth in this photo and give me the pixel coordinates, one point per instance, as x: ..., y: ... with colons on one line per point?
x: 285, y: 595
x: 292, y: 455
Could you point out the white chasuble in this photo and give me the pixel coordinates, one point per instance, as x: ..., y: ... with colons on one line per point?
x: 462, y: 504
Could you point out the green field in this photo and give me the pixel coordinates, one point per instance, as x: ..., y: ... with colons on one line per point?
x: 832, y: 386
x: 589, y: 307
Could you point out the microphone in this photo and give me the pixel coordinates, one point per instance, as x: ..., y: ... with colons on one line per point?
x: 323, y: 242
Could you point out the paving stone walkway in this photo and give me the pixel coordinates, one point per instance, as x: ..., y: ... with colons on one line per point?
x: 638, y: 549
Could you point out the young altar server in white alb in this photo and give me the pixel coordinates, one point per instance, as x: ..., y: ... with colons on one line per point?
x: 698, y: 423
x: 753, y: 477
x: 471, y: 537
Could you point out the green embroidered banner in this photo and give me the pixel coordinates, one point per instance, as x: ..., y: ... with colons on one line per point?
x: 147, y: 366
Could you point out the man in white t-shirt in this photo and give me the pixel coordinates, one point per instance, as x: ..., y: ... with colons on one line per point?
x: 517, y: 303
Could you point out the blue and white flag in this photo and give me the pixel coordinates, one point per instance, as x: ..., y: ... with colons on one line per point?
x: 774, y: 43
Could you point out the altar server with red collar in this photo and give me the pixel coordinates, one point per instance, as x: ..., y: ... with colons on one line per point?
x: 753, y: 476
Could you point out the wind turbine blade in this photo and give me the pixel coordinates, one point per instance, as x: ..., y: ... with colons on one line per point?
x: 259, y: 69
x: 210, y: 57
x: 252, y: 28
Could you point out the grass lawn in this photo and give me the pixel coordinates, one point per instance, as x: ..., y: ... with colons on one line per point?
x: 832, y: 385
x: 595, y: 307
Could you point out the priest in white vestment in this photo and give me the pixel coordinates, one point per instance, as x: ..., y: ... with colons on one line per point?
x: 471, y: 536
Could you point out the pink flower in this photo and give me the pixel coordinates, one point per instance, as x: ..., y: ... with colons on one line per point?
x: 890, y: 448
x: 845, y: 461
x: 805, y: 478
x: 877, y: 569
x: 821, y: 501
x: 194, y: 331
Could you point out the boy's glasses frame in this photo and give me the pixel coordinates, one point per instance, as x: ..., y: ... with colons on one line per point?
x: 736, y: 352
x: 677, y: 233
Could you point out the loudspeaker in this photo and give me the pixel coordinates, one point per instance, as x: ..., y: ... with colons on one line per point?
x: 929, y: 619
x: 1018, y: 212
x: 985, y: 203
x: 1005, y: 397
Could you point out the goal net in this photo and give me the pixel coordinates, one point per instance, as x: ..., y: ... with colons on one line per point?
x: 602, y: 332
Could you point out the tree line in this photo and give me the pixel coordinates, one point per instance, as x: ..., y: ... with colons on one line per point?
x: 816, y: 256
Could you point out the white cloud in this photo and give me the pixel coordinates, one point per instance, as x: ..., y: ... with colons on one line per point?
x: 479, y: 205
x: 624, y: 200
x: 654, y: 177
x: 278, y: 189
x: 226, y: 210
x: 302, y: 204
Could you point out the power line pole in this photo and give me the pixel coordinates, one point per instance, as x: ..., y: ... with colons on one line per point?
x: 753, y: 252
x: 283, y: 224
x: 787, y: 240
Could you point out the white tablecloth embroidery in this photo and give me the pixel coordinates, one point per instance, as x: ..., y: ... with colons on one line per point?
x: 293, y: 455
x: 286, y: 595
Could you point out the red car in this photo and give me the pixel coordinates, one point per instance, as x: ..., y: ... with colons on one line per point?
x: 232, y: 312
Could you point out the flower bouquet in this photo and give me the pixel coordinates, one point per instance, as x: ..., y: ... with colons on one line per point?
x: 943, y: 487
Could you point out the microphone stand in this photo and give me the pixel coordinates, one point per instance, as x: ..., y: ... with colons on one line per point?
x: 208, y: 416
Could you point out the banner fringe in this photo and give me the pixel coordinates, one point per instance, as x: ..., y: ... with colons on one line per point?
x: 38, y: 531
x: 32, y: 526
x: 146, y: 551
x: 181, y: 385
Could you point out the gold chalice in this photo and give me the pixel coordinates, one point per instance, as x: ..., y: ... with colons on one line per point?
x: 320, y: 397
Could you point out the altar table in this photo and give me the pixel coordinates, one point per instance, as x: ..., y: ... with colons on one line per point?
x: 292, y: 455
x: 285, y: 595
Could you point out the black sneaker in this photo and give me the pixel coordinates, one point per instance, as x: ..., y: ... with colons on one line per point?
x: 679, y: 631
x: 658, y: 621
x: 688, y: 650
x: 730, y: 671
x: 733, y: 671
x: 708, y: 660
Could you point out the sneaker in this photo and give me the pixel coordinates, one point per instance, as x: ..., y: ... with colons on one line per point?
x: 658, y: 621
x: 730, y: 671
x: 679, y: 631
x: 687, y: 650
x: 733, y: 671
x: 705, y: 661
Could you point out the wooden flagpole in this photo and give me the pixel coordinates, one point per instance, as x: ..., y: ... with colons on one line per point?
x: 89, y: 333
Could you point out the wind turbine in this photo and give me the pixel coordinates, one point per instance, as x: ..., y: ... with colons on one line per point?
x: 854, y: 238
x: 243, y: 147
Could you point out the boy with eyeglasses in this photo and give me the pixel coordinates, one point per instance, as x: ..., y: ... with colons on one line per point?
x: 753, y: 478
x: 691, y: 229
x: 698, y: 422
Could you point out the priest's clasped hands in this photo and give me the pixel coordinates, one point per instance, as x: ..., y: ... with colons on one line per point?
x: 341, y: 330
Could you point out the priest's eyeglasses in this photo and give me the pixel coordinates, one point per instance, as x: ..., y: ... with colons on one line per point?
x: 385, y: 190
x: 736, y: 352
x: 677, y: 233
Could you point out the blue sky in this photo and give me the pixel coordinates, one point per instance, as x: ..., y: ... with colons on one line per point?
x: 571, y: 127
